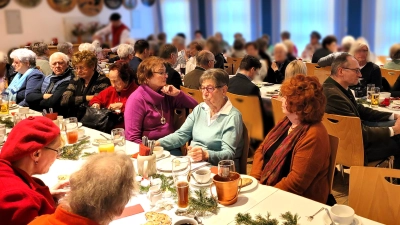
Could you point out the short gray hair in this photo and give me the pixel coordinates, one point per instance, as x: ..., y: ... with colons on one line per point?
x: 64, y: 47
x: 102, y: 187
x: 203, y: 57
x: 24, y: 55
x: 340, y: 61
x: 179, y: 39
x: 359, y: 43
x: 124, y: 50
x: 58, y: 54
x: 87, y: 47
x: 39, y: 48
x: 219, y: 76
x: 281, y: 45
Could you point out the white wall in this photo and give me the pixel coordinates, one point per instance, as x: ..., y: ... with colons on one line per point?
x: 42, y: 23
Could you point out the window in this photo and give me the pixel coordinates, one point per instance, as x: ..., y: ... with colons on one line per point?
x: 300, y: 18
x: 387, y: 26
x: 230, y: 17
x: 175, y: 18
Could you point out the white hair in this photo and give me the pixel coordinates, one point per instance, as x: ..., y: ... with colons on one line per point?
x: 124, y: 50
x: 359, y: 43
x: 87, y: 47
x: 281, y: 45
x: 24, y: 55
x: 96, y: 44
x: 58, y: 54
x: 348, y: 40
x: 3, y: 57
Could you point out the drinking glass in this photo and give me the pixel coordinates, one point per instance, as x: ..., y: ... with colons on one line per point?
x: 18, y: 117
x: 375, y: 97
x: 71, y: 129
x: 118, y: 136
x: 181, y: 168
x: 225, y: 167
x: 370, y: 89
x: 5, y: 107
x: 182, y: 67
x: 60, y: 121
x: 106, y: 146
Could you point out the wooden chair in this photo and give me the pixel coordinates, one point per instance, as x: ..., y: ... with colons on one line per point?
x: 277, y: 110
x: 390, y: 75
x: 382, y: 58
x: 235, y: 61
x: 322, y: 73
x: 333, y: 143
x: 245, y: 151
x: 250, y: 108
x: 196, y: 94
x: 372, y: 196
x: 228, y: 67
x: 179, y: 119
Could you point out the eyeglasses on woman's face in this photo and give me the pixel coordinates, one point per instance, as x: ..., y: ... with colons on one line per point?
x: 209, y: 89
x: 162, y: 73
x: 59, y: 151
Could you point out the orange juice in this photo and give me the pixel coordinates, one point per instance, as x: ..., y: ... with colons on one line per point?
x: 106, y: 147
x: 72, y: 136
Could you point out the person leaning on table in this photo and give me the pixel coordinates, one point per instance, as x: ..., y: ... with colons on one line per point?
x: 294, y: 156
x: 88, y: 203
x: 215, y: 126
x: 31, y: 148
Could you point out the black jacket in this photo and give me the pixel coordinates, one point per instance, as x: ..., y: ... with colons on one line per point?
x: 173, y: 76
x: 220, y: 60
x: 319, y: 53
x: 278, y: 76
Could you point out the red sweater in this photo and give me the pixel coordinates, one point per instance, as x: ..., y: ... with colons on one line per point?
x: 62, y: 217
x: 22, y: 197
x: 110, y: 95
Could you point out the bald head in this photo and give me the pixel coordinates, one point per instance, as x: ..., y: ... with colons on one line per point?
x: 205, y: 59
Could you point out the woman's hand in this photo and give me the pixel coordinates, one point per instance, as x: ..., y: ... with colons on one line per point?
x: 58, y: 190
x: 170, y: 90
x: 116, y: 106
x: 47, y: 96
x: 274, y: 66
x: 89, y: 97
x: 96, y: 106
x: 197, y: 153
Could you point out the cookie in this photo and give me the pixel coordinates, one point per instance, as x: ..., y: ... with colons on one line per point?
x: 246, y: 182
x: 157, y: 218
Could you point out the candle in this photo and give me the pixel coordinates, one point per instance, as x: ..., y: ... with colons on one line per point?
x: 145, y: 183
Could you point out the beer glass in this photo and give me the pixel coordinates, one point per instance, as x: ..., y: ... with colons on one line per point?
x: 71, y: 130
x: 370, y: 89
x: 375, y: 97
x: 118, y: 136
x: 181, y: 168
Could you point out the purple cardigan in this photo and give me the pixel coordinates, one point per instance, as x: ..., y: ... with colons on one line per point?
x: 141, y: 118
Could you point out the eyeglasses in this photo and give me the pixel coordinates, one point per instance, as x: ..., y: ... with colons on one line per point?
x: 161, y: 73
x: 362, y: 51
x: 59, y: 151
x: 357, y: 70
x: 81, y: 68
x: 215, y: 62
x: 209, y: 88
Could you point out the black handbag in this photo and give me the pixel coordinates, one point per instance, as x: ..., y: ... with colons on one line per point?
x: 100, y: 119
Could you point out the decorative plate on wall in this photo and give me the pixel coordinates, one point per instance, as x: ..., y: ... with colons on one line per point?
x: 4, y: 3
x: 130, y: 4
x: 113, y: 4
x: 62, y: 6
x: 148, y: 2
x: 90, y: 7
x: 28, y: 3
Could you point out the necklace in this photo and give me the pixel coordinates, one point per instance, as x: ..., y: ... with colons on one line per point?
x: 291, y: 128
x: 162, y: 120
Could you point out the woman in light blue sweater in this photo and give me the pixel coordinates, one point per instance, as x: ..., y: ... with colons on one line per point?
x: 214, y: 126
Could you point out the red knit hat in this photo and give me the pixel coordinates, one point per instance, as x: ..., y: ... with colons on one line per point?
x: 28, y: 136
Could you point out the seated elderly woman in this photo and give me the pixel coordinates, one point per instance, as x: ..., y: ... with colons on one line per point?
x: 149, y: 110
x: 88, y: 203
x: 42, y: 57
x: 125, y: 53
x: 295, y: 154
x: 31, y: 148
x: 91, y: 48
x: 295, y: 67
x: 215, y: 126
x: 85, y: 85
x: 48, y: 94
x: 27, y: 78
x: 276, y: 73
x: 123, y: 84
x: 394, y: 54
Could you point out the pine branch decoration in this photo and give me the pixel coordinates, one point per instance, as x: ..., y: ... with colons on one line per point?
x: 290, y: 218
x: 246, y: 219
x: 201, y: 204
x: 7, y: 121
x: 72, y: 152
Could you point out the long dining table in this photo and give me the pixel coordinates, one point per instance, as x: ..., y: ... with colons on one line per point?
x: 259, y: 200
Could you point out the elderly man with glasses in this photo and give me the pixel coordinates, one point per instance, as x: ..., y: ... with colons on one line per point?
x: 381, y: 139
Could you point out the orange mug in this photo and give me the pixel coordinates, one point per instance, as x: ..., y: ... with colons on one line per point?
x: 228, y: 189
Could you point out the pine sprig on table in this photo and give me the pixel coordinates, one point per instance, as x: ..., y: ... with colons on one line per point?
x: 246, y: 219
x: 167, y: 183
x: 7, y: 121
x: 72, y: 152
x: 201, y: 204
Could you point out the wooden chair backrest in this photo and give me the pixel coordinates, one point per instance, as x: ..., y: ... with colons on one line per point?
x: 277, y: 110
x: 333, y: 143
x: 196, y: 94
x: 245, y: 151
x: 235, y: 61
x: 390, y: 75
x: 322, y: 73
x: 249, y: 107
x: 228, y: 67
x: 348, y: 129
x: 372, y: 196
x: 382, y: 58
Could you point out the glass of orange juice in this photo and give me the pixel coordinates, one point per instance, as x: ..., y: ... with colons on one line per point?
x: 106, y: 146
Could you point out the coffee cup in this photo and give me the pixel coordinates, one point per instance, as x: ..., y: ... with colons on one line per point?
x: 24, y: 110
x: 202, y: 175
x: 186, y: 221
x: 342, y: 214
x: 158, y: 150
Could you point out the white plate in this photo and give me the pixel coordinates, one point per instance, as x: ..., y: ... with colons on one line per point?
x: 251, y: 186
x: 394, y: 107
x: 327, y: 221
x: 396, y: 102
x: 13, y: 106
x: 165, y: 154
x: 80, y: 124
x: 83, y: 137
x: 194, y: 183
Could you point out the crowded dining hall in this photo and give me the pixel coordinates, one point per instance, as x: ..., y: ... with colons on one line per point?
x: 181, y: 112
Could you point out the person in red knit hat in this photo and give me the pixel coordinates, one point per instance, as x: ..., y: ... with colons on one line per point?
x: 31, y: 148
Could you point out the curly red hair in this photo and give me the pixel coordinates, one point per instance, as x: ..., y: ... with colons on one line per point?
x: 304, y: 96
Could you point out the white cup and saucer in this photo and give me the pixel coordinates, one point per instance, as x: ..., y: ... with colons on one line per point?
x: 202, y: 177
x: 342, y: 215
